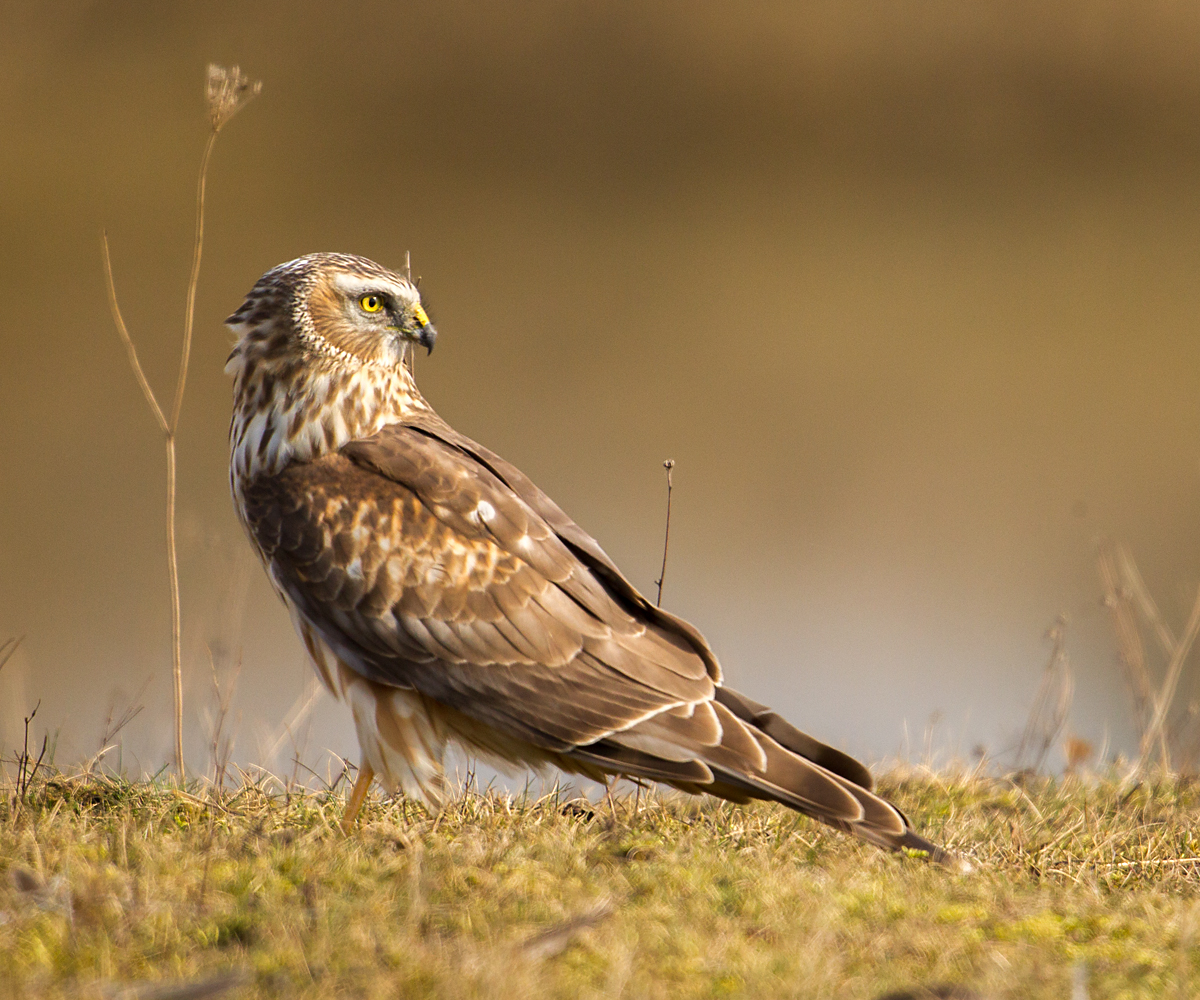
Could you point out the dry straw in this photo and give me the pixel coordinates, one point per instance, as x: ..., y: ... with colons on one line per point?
x: 227, y: 91
x: 1052, y: 704
x: 1128, y: 598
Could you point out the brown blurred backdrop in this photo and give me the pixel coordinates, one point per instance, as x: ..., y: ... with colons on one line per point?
x: 909, y: 291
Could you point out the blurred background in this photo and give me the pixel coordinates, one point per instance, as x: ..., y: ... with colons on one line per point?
x: 908, y: 291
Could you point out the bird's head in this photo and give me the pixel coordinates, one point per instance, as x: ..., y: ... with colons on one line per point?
x: 347, y: 309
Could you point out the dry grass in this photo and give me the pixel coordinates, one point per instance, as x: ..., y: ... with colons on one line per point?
x: 111, y: 888
x: 1132, y: 608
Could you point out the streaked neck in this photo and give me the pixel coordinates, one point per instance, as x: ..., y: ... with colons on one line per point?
x: 296, y: 410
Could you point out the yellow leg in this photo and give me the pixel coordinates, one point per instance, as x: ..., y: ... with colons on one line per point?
x: 366, y: 774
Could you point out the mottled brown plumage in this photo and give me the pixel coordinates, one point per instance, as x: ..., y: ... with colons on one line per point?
x: 445, y: 597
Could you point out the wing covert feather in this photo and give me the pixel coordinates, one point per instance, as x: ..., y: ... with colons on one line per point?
x: 491, y: 614
x: 378, y: 450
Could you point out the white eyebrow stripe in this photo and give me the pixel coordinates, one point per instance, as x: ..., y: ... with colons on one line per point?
x: 354, y: 285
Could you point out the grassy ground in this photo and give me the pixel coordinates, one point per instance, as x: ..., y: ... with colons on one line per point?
x: 112, y: 889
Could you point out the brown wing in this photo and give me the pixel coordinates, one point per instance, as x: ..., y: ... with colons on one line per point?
x: 437, y: 576
x: 380, y: 453
x: 426, y: 561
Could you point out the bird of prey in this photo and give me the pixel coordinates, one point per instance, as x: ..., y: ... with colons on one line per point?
x: 444, y: 597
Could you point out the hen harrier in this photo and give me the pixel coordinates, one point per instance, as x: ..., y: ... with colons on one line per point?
x: 443, y: 596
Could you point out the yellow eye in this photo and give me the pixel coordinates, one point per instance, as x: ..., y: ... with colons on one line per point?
x: 371, y: 303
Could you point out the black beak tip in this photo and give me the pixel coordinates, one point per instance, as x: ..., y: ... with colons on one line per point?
x: 427, y: 338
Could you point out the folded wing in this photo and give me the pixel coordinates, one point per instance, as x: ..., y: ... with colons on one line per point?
x: 427, y: 562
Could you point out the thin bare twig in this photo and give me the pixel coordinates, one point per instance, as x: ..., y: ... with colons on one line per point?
x: 1132, y: 578
x: 125, y: 338
x: 7, y: 648
x: 1125, y: 593
x: 193, y: 279
x: 1053, y: 701
x: 132, y: 711
x: 410, y: 353
x: 227, y: 91
x: 176, y: 613
x: 25, y: 773
x: 295, y: 716
x: 1157, y: 728
x: 669, y: 464
x: 221, y: 744
x: 1129, y: 638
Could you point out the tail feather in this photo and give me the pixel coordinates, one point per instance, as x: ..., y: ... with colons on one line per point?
x: 767, y: 720
x: 611, y: 758
x: 737, y: 749
x: 880, y: 814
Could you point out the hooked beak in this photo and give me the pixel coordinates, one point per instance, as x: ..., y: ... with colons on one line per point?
x: 426, y: 337
x: 424, y: 334
x: 417, y: 329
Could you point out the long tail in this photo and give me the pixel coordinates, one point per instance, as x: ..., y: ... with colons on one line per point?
x: 739, y: 750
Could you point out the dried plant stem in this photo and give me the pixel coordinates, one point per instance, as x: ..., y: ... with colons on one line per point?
x: 1052, y: 704
x: 7, y: 648
x: 1126, y: 593
x: 176, y: 617
x: 124, y: 333
x: 1129, y: 638
x: 669, y: 464
x: 1141, y: 593
x: 1162, y: 704
x: 132, y: 711
x: 193, y: 280
x: 168, y: 430
x: 227, y: 91
x: 27, y: 768
x: 410, y: 353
